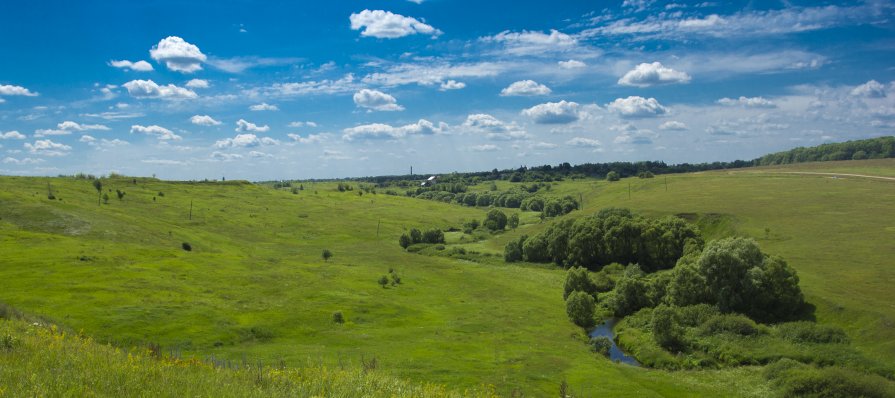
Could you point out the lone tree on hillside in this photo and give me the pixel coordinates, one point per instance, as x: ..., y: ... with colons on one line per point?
x: 99, y: 190
x: 513, y: 222
x: 383, y: 280
x: 496, y: 220
x: 405, y: 241
x: 327, y: 255
x: 612, y: 176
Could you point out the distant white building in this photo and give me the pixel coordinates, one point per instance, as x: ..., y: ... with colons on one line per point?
x: 429, y: 181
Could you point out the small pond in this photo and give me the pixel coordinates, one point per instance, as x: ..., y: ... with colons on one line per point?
x: 615, y: 354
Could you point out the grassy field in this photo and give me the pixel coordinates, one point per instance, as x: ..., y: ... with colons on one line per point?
x: 255, y: 285
x: 838, y: 233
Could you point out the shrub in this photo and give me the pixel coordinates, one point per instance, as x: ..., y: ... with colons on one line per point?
x: 630, y: 296
x: 612, y: 176
x: 326, y: 255
x: 186, y: 246
x: 338, y: 317
x: 496, y: 220
x: 798, y: 380
x: 810, y: 332
x: 578, y: 280
x: 512, y: 252
x: 666, y: 329
x: 729, y: 323
x: 383, y: 280
x: 415, y: 235
x: 580, y: 309
x: 513, y: 222
x: 405, y: 241
x: 600, y: 345
x: 433, y: 236
x: 695, y: 315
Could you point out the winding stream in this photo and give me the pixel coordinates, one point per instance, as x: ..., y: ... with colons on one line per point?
x: 615, y: 353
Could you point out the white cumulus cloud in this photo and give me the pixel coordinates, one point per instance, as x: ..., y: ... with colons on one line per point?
x: 379, y: 130
x: 484, y: 148
x: 645, y: 75
x: 376, y: 100
x: 492, y: 127
x: 264, y: 107
x: 74, y: 126
x: 571, y: 64
x: 302, y: 124
x: 47, y: 148
x: 387, y: 25
x: 561, y: 112
x: 749, y: 102
x: 245, y: 141
x: 584, y: 142
x: 452, y: 85
x: 12, y: 135
x: 204, y: 120
x: 6, y: 89
x: 673, y: 126
x: 242, y: 126
x: 139, y: 66
x: 159, y: 132
x: 310, y: 139
x: 50, y: 132
x: 178, y: 55
x: 533, y: 42
x: 198, y: 83
x: 149, y: 89
x: 525, y: 88
x: 871, y: 89
x: 637, y: 107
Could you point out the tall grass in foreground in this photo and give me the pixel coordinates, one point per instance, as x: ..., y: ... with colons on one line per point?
x: 37, y: 360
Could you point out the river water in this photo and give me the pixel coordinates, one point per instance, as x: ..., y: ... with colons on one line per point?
x: 615, y: 353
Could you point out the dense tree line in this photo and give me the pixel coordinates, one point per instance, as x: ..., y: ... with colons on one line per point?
x: 517, y: 198
x: 610, y: 236
x: 874, y: 148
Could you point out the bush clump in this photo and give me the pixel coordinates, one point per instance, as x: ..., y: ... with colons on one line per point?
x: 580, y: 309
x: 810, y: 332
x: 794, y: 379
x: 600, y: 345
x: 729, y: 323
x: 186, y: 246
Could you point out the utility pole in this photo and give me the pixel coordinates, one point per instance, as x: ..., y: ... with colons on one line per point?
x: 191, y: 209
x: 666, y: 184
x: 629, y: 190
x: 378, y: 223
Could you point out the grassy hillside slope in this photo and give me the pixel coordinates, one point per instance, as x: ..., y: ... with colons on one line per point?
x: 838, y: 233
x: 255, y: 286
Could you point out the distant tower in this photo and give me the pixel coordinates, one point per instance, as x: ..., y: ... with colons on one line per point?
x: 411, y: 171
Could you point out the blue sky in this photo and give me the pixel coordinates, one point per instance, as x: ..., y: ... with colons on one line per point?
x: 286, y: 89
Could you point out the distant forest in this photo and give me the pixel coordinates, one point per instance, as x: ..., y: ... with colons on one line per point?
x: 874, y: 148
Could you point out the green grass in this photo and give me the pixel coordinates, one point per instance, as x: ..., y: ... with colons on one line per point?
x: 256, y: 263
x: 838, y: 233
x: 37, y: 360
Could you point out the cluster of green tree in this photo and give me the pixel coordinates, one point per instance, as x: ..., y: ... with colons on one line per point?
x: 342, y: 187
x: 415, y: 236
x: 610, y: 236
x: 874, y: 148
x: 517, y: 198
x: 882, y: 147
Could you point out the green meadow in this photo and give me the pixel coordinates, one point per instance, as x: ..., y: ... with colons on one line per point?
x: 254, y: 286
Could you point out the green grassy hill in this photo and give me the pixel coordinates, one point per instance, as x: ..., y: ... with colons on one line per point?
x: 255, y: 285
